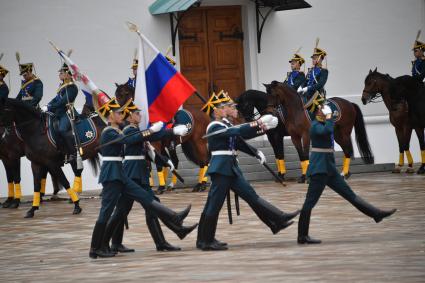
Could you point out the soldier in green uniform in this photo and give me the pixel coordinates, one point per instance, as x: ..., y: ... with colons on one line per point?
x: 322, y: 172
x: 31, y: 90
x: 225, y: 173
x: 137, y: 168
x: 115, y: 182
x: 62, y: 103
x: 296, y: 78
x: 4, y: 90
x: 317, y: 76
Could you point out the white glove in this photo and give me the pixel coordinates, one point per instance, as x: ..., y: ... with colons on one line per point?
x: 326, y: 110
x: 156, y: 127
x: 272, y: 123
x: 45, y: 108
x: 261, y: 157
x: 300, y: 89
x: 266, y: 118
x: 304, y: 90
x: 180, y: 130
x: 172, y: 168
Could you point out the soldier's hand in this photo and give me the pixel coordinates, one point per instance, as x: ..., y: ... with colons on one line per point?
x: 45, y: 108
x: 180, y: 130
x: 261, y: 157
x: 171, y: 165
x: 156, y: 127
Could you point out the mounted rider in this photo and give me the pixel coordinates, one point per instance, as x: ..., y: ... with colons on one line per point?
x: 296, y: 78
x: 316, y: 79
x: 418, y: 65
x: 4, y: 90
x: 31, y: 90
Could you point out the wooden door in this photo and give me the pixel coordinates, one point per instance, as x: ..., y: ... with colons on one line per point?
x: 211, y: 50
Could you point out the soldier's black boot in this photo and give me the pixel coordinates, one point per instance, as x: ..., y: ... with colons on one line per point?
x: 273, y: 217
x: 7, y: 203
x: 111, y: 227
x: 96, y: 241
x: 370, y: 210
x: 199, y: 240
x: 172, y: 219
x: 157, y: 235
x: 207, y: 241
x: 117, y: 237
x: 303, y: 224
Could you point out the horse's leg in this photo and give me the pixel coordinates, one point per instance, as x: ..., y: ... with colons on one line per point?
x: 43, y: 183
x: 408, y: 134
x: 161, y: 179
x: 343, y: 138
x: 275, y: 138
x: 296, y: 140
x: 10, y: 187
x: 421, y: 138
x: 37, y: 172
x: 78, y: 181
x: 401, y: 138
x: 57, y: 172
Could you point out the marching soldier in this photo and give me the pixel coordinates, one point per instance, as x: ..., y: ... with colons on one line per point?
x: 296, y: 78
x: 116, y: 184
x: 4, y: 90
x: 225, y: 173
x: 322, y: 172
x: 62, y: 103
x: 31, y: 90
x: 316, y: 76
x: 137, y: 168
x: 418, y: 65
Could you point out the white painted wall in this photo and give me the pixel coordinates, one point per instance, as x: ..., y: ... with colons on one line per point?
x: 358, y: 35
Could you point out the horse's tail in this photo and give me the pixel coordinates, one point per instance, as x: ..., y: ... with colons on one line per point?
x: 187, y: 149
x: 361, y: 137
x: 95, y: 163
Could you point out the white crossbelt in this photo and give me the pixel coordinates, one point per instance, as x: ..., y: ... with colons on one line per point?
x: 111, y: 158
x: 224, y: 152
x: 318, y: 149
x: 134, y: 157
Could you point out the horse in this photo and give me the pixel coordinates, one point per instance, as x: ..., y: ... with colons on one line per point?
x: 393, y: 93
x: 297, y: 123
x: 193, y: 145
x: 39, y: 149
x: 246, y: 107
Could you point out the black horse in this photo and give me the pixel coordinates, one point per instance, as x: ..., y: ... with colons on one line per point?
x: 402, y: 97
x: 44, y: 156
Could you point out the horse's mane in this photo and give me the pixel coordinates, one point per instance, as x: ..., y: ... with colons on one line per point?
x: 22, y: 105
x: 252, y: 94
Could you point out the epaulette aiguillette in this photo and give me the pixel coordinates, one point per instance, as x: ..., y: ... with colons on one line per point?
x: 111, y: 128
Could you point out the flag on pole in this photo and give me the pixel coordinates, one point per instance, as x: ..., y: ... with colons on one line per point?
x: 160, y: 88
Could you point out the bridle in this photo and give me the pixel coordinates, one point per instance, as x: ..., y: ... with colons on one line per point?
x: 373, y: 96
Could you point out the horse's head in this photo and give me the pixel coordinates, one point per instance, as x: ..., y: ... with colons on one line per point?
x: 275, y: 91
x: 6, y: 113
x: 373, y: 85
x: 252, y: 103
x: 123, y: 93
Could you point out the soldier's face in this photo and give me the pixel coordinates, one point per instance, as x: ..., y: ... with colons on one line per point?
x: 26, y: 75
x: 231, y: 111
x: 117, y: 117
x: 295, y: 65
x: 62, y: 75
x: 135, y: 71
x: 134, y: 118
x: 316, y: 60
x: 418, y: 53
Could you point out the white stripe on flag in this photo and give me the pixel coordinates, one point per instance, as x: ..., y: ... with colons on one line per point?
x: 140, y: 93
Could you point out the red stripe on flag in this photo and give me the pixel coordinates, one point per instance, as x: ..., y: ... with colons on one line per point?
x: 172, y: 96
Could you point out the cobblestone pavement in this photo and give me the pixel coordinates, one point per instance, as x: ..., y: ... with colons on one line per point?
x: 53, y: 247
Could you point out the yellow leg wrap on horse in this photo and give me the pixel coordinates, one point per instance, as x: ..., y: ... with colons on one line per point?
x: 401, y: 159
x: 423, y: 156
x: 78, y: 184
x: 72, y: 194
x: 205, y: 178
x: 166, y: 170
x: 151, y: 183
x: 174, y: 179
x: 282, y: 166
x: 18, y: 192
x: 409, y: 157
x: 346, y: 165
x: 161, y: 178
x: 201, y: 174
x: 43, y: 186
x: 278, y: 165
x: 10, y: 190
x: 36, y: 199
x: 304, y: 166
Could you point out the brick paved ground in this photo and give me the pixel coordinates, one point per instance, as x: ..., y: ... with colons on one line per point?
x: 53, y: 247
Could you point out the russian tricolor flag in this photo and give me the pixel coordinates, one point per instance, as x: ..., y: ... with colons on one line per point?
x: 160, y: 88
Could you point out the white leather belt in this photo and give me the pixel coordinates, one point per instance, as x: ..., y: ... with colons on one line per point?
x: 318, y: 149
x: 134, y: 157
x: 27, y: 98
x: 224, y: 152
x: 111, y: 158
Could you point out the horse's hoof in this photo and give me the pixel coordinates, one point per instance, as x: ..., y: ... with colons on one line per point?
x: 281, y: 176
x: 203, y: 187
x: 54, y: 198
x: 30, y: 213
x: 421, y: 170
x: 347, y: 176
x: 301, y: 179
x: 15, y: 203
x: 160, y: 190
x: 77, y: 210
x: 197, y: 188
x: 410, y: 170
x: 396, y: 170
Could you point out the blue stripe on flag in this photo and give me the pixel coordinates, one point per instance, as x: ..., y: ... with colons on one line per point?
x: 158, y: 74
x: 89, y: 100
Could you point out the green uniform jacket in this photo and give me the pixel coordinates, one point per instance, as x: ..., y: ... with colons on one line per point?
x: 227, y: 164
x: 321, y: 135
x: 4, y: 90
x: 31, y: 92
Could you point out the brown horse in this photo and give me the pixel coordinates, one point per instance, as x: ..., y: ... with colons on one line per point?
x: 297, y: 124
x: 193, y: 146
x: 379, y: 85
